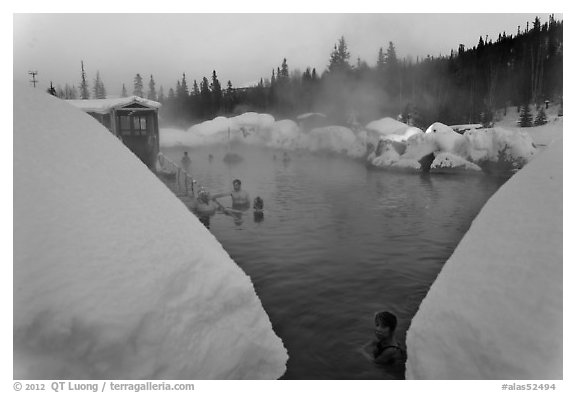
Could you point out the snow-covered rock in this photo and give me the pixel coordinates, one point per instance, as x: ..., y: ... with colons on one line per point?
x: 113, y: 277
x: 402, y: 137
x: 447, y: 140
x: 387, y: 126
x: 509, y: 149
x: 451, y: 163
x: 284, y: 134
x: 495, y: 310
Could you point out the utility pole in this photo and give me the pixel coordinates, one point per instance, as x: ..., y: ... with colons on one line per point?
x: 33, y: 81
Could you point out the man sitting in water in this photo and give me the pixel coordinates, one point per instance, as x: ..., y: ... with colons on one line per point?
x: 240, y: 198
x: 385, y: 349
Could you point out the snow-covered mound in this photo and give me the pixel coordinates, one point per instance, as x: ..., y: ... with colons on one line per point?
x: 494, y: 149
x: 113, y: 277
x: 495, y: 310
x: 387, y: 126
x: 446, y: 139
x: 248, y: 127
x: 284, y: 134
x: 451, y: 163
x: 403, y: 136
x: 509, y: 148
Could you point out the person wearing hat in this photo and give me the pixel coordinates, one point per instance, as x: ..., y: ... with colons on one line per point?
x: 240, y: 198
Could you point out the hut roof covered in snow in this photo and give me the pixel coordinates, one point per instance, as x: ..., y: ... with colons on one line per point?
x: 105, y: 105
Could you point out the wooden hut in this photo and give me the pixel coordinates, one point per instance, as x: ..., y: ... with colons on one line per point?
x: 133, y: 120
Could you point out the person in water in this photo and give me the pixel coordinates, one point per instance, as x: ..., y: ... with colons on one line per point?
x: 258, y: 206
x: 385, y: 349
x: 185, y: 160
x: 240, y: 198
x: 205, y: 206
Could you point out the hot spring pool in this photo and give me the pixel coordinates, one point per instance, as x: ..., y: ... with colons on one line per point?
x: 338, y: 242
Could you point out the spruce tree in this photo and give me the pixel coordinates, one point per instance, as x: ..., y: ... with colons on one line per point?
x: 339, y: 57
x: 99, y: 89
x: 216, y: 90
x: 195, y: 89
x: 525, y: 116
x: 124, y: 92
x: 205, y: 98
x: 152, y: 89
x: 541, y: 118
x: 184, y: 93
x: 138, y: 86
x: 381, y: 61
x: 84, y: 91
x: 161, y: 97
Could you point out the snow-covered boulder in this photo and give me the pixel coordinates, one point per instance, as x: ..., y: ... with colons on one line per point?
x: 496, y: 309
x: 402, y: 137
x: 218, y: 125
x: 388, y: 157
x: 283, y: 134
x: 420, y: 145
x: 113, y: 277
x: 170, y: 137
x: 447, y: 140
x: 498, y: 148
x: 451, y: 163
x: 253, y: 120
x: 387, y: 126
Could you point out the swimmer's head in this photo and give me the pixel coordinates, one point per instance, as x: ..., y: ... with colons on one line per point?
x: 385, y: 324
x: 204, y: 195
x: 236, y: 184
x: 258, y: 203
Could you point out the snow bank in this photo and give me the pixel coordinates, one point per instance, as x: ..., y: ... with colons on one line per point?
x: 510, y: 147
x: 263, y: 130
x: 495, y: 310
x: 284, y: 135
x: 113, y: 277
x: 249, y: 127
x: 387, y: 126
x: 492, y: 150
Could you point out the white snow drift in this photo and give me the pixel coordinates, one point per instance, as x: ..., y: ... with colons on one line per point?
x: 113, y: 277
x: 495, y: 310
x: 385, y: 143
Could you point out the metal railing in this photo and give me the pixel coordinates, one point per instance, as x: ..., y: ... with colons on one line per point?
x: 183, y: 181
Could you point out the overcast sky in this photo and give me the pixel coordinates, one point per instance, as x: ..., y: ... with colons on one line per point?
x: 240, y: 47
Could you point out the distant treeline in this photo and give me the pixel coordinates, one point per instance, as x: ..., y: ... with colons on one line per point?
x: 465, y: 87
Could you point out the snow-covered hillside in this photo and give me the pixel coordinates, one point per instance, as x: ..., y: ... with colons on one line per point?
x: 113, y: 277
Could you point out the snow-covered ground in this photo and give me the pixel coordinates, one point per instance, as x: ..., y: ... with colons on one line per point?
x: 495, y: 310
x: 113, y: 277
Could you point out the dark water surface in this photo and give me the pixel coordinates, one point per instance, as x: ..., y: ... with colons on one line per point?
x: 338, y: 242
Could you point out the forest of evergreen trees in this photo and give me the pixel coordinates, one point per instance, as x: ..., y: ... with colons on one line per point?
x: 466, y: 86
